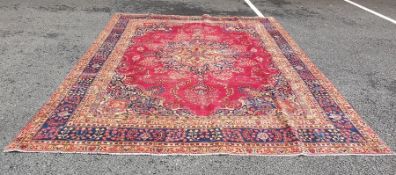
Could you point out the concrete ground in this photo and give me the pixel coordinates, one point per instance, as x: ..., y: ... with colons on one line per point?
x: 41, y: 40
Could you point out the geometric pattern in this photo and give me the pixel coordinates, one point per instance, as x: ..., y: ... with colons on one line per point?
x: 159, y: 84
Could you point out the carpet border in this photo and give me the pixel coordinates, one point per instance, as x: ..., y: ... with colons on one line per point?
x: 345, y: 105
x: 59, y: 92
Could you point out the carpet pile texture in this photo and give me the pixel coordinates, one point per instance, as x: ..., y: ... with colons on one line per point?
x: 157, y: 84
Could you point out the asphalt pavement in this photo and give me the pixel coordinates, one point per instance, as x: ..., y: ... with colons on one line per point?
x: 41, y: 40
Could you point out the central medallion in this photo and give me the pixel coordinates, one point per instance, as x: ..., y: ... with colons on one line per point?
x: 195, y: 69
x: 197, y: 52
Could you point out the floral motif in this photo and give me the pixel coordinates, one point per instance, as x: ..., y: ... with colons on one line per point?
x: 195, y: 68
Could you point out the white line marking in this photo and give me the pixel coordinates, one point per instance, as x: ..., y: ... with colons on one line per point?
x: 251, y: 5
x: 372, y: 11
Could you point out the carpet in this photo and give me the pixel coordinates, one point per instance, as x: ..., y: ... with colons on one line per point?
x: 158, y: 84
